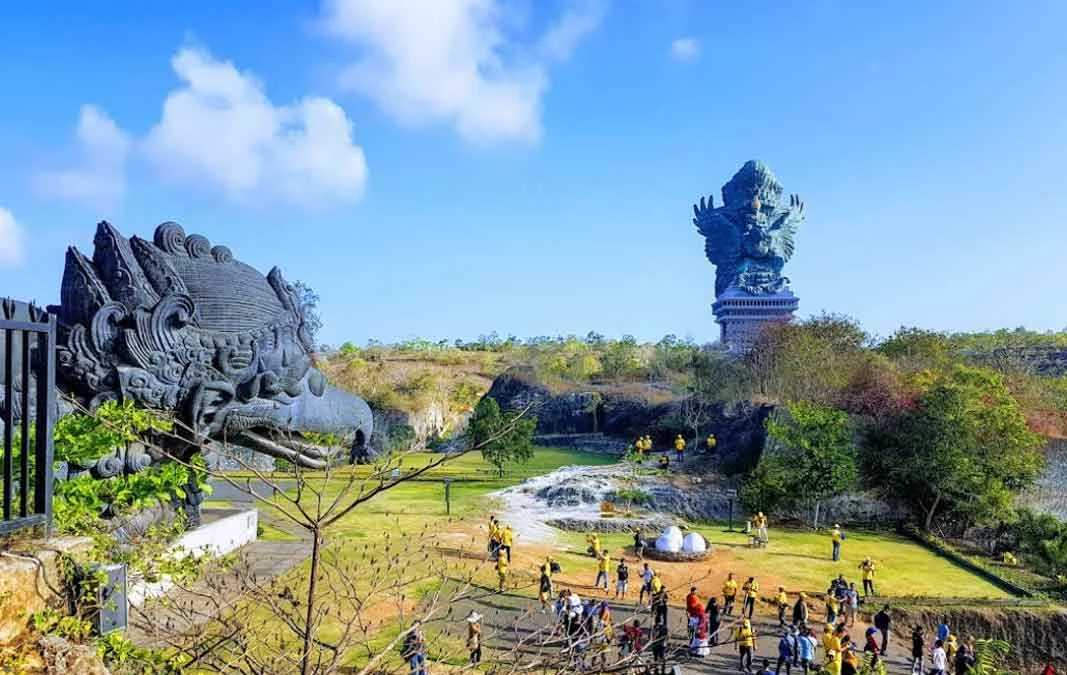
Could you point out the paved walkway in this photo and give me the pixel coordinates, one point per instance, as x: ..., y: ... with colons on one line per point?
x: 510, y: 619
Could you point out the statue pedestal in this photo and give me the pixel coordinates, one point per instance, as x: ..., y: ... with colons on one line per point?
x: 742, y: 315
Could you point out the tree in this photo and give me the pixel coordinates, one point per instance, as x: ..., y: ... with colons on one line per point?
x: 768, y: 487
x: 963, y: 448
x: 309, y: 303
x: 816, y: 445
x: 696, y: 412
x: 325, y: 614
x: 502, y: 437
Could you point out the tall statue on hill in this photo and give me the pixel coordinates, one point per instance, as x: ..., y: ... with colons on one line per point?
x: 749, y: 239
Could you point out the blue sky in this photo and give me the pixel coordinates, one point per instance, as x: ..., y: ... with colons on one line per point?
x: 529, y: 167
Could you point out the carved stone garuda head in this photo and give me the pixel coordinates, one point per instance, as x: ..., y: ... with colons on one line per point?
x: 177, y: 325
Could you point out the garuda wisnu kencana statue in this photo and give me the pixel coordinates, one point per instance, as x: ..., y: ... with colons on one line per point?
x: 750, y: 237
x: 178, y: 325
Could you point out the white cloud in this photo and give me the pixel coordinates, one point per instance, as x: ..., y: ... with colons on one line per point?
x: 685, y: 49
x: 220, y: 130
x: 454, y: 62
x: 98, y: 179
x: 10, y: 239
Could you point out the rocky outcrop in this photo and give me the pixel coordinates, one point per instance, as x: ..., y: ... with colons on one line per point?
x: 738, y: 427
x: 1042, y: 361
x: 1036, y: 635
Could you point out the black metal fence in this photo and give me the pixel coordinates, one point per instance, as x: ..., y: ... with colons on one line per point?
x: 27, y: 410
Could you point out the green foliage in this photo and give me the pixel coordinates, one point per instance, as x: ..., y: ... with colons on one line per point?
x: 82, y: 438
x: 813, y: 455
x: 964, y: 448
x: 51, y: 622
x: 400, y: 437
x: 767, y: 487
x: 122, y: 656
x: 988, y: 656
x: 633, y: 496
x: 502, y: 438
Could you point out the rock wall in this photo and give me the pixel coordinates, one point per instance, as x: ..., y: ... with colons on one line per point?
x: 738, y: 427
x: 31, y: 582
x: 1050, y: 492
x: 1037, y: 636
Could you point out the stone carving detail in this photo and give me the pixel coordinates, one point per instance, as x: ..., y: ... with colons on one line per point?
x: 180, y: 326
x: 750, y: 237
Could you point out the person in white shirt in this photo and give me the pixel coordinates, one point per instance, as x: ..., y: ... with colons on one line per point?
x: 939, y: 659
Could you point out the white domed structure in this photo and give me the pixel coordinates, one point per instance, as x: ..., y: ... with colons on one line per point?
x: 671, y: 540
x: 694, y: 543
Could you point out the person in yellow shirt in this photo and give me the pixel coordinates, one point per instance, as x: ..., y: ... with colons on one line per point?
x: 836, y: 537
x: 507, y: 538
x: 833, y: 606
x: 594, y: 545
x: 494, y: 536
x: 833, y: 663
x: 710, y: 443
x: 951, y: 647
x: 783, y: 605
x: 648, y: 443
x: 746, y: 644
x: 751, y: 591
x: 729, y: 594
x: 867, y: 566
x: 502, y: 571
x: 602, y: 567
x: 657, y: 583
x: 831, y: 642
x: 679, y: 448
x: 761, y: 527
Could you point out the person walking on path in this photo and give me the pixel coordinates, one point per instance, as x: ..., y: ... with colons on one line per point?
x: 474, y: 636
x: 964, y: 661
x: 502, y: 571
x: 714, y: 621
x: 943, y: 630
x: 782, y: 600
x: 836, y: 537
x: 851, y: 605
x: 800, y: 611
x: 786, y: 652
x: 806, y: 647
x: 414, y: 649
x: 938, y: 659
x: 679, y: 448
x: 665, y: 462
x: 694, y: 609
x: 746, y: 644
x: 710, y: 444
x: 882, y: 621
x: 622, y: 579
x: 867, y: 567
x: 918, y: 649
x: 729, y: 594
x: 751, y: 589
x: 507, y: 538
x: 659, y: 602
x: 639, y: 544
x: 544, y: 590
x: 646, y: 585
x: 603, y: 565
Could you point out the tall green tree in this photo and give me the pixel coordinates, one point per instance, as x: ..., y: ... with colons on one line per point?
x: 503, y: 437
x: 817, y: 452
x: 963, y: 448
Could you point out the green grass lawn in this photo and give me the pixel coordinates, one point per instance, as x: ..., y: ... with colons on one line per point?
x: 800, y: 560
